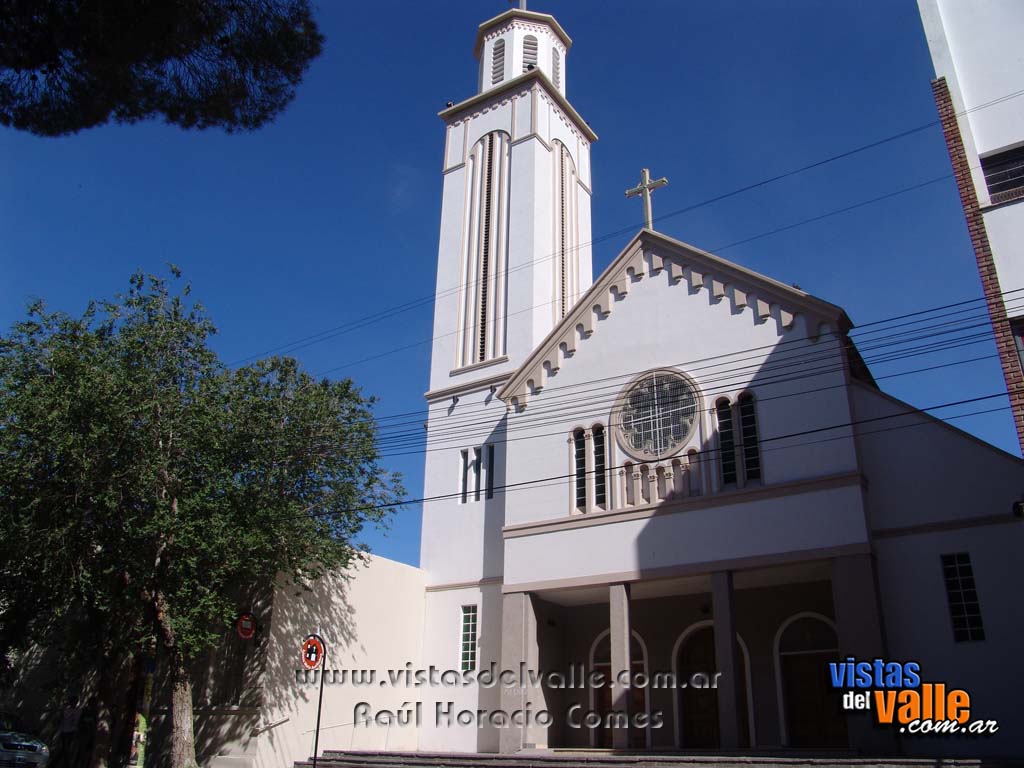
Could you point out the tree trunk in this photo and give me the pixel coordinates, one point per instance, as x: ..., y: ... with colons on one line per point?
x: 183, y: 740
x: 104, y: 716
x: 126, y: 709
x: 183, y: 743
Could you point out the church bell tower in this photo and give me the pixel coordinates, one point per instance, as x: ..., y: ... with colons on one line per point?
x: 514, y: 251
x: 513, y: 258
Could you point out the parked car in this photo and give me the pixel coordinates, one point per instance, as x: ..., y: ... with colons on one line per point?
x: 18, y: 748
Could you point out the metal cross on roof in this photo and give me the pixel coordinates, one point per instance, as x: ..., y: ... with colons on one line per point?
x: 644, y: 189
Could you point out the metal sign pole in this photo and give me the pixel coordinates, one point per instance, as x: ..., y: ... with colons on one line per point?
x: 320, y: 702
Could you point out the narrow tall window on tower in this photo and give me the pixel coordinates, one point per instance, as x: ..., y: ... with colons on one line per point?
x: 529, y: 53
x: 566, y: 279
x: 556, y: 68
x: 482, y: 309
x: 498, y: 62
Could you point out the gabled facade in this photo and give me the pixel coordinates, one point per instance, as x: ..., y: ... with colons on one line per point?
x: 680, y: 468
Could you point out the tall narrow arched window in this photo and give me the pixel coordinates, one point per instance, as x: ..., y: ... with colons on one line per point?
x: 579, y: 458
x: 726, y: 441
x: 556, y: 68
x: 748, y: 434
x: 600, y: 481
x: 566, y: 277
x: 529, y: 53
x: 482, y: 309
x: 498, y: 62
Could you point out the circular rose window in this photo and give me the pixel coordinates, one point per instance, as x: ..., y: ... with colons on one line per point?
x: 657, y: 414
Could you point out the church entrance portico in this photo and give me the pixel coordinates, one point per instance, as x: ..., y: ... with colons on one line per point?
x: 765, y: 687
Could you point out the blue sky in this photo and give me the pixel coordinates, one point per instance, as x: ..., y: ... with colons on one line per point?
x: 331, y: 214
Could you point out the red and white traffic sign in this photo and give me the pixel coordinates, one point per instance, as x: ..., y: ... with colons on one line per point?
x: 245, y: 626
x: 313, y: 651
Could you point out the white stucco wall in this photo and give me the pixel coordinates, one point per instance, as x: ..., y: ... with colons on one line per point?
x: 918, y: 626
x: 371, y: 621
x: 931, y: 472
x: 461, y: 542
x: 663, y: 325
x: 700, y: 537
x: 978, y: 44
x: 441, y: 649
x: 1005, y: 227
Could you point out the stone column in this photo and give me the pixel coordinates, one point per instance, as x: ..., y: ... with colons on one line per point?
x: 859, y: 623
x: 725, y: 658
x: 618, y: 604
x: 519, y: 646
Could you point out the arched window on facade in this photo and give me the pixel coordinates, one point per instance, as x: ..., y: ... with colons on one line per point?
x: 556, y: 68
x: 600, y: 470
x: 726, y: 441
x: 748, y: 434
x: 529, y: 53
x: 589, y: 458
x: 498, y: 62
x: 579, y: 457
x: 739, y: 450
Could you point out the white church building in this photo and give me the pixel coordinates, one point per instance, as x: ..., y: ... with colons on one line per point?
x: 677, y: 467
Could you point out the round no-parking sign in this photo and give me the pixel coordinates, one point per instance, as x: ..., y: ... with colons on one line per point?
x: 313, y: 651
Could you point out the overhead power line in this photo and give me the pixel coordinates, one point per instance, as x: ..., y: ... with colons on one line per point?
x: 427, y: 299
x: 707, y: 452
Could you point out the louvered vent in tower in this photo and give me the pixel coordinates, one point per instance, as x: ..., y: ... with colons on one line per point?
x: 529, y: 53
x: 498, y: 62
x: 485, y: 250
x: 556, y: 68
x: 563, y: 256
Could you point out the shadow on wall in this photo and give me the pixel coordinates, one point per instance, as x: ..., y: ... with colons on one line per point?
x: 244, y: 690
x: 713, y: 503
x: 493, y: 566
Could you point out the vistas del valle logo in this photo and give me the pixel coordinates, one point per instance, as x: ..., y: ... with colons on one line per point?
x: 894, y: 691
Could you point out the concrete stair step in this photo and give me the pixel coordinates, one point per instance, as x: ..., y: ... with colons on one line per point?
x: 601, y: 759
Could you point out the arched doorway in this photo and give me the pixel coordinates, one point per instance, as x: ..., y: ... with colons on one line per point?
x: 601, y: 698
x: 810, y: 708
x: 697, y: 718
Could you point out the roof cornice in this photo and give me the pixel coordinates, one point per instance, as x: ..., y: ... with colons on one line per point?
x: 453, y: 113
x: 704, y: 270
x: 517, y: 13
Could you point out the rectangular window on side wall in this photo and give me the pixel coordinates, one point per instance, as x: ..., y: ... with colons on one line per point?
x: 1017, y: 329
x: 962, y: 593
x: 469, y: 633
x: 1004, y: 175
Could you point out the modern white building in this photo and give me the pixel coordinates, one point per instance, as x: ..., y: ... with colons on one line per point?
x: 979, y: 89
x: 677, y: 467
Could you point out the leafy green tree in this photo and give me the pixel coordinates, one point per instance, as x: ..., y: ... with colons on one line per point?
x: 66, y: 65
x: 142, y: 481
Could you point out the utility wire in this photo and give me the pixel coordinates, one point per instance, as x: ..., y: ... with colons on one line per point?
x: 428, y: 299
x: 704, y: 452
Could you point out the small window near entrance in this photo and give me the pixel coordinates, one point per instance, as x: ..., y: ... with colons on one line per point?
x: 964, y: 609
x: 468, y: 649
